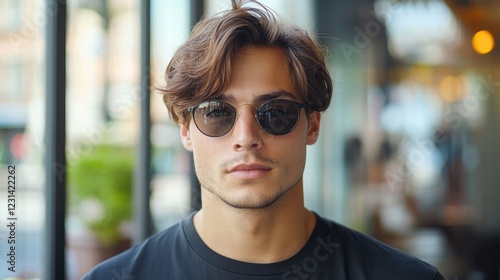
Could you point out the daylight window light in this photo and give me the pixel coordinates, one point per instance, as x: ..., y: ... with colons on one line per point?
x: 483, y: 42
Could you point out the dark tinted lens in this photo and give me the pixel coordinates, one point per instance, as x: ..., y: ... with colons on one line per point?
x: 278, y: 117
x: 214, y: 118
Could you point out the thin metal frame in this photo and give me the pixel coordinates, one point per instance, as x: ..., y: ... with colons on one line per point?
x: 197, y: 10
x: 55, y: 141
x: 142, y: 191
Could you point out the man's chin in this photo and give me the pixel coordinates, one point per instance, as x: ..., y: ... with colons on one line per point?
x: 253, y: 201
x: 261, y: 205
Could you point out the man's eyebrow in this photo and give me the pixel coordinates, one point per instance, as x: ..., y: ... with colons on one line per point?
x: 274, y: 95
x: 227, y: 98
x: 261, y: 98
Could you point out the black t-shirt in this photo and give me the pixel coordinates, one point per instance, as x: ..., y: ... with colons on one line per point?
x: 332, y: 252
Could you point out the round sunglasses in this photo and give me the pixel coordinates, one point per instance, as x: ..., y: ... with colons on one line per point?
x: 276, y: 117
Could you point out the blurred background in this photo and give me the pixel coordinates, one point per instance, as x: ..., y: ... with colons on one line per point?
x: 407, y: 153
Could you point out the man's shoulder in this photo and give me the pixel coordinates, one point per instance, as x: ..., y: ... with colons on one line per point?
x: 148, y: 253
x: 364, y: 253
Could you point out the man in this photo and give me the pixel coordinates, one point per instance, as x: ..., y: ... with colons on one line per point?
x: 247, y: 93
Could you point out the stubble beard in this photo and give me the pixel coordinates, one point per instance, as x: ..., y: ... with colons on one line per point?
x: 263, y: 203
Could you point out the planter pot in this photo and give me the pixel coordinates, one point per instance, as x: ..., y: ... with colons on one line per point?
x: 87, y: 251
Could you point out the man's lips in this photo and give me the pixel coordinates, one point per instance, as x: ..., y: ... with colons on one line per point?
x: 249, y: 171
x: 249, y: 167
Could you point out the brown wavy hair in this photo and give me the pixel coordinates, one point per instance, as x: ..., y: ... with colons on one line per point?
x: 200, y: 69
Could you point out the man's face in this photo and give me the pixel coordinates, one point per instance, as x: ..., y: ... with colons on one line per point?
x: 247, y: 167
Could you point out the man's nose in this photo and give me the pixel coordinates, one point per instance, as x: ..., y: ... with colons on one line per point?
x: 246, y: 134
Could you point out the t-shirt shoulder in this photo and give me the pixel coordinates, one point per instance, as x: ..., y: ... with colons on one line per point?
x: 139, y: 257
x: 376, y: 258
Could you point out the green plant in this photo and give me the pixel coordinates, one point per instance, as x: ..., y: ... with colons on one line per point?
x: 100, y: 185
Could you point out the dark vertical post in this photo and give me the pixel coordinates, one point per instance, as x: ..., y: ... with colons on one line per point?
x: 335, y: 18
x: 196, y: 12
x: 55, y: 140
x: 142, y: 214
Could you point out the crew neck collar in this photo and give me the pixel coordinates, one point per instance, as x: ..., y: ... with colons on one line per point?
x: 245, y: 268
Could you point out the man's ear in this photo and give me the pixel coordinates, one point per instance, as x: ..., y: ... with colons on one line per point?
x: 314, y: 119
x: 186, y: 138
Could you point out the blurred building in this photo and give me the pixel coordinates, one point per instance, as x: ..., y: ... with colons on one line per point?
x: 21, y: 126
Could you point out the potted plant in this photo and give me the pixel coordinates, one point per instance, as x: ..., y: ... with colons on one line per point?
x: 100, y: 193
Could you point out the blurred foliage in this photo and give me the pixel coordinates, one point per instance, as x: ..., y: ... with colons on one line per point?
x: 100, y: 186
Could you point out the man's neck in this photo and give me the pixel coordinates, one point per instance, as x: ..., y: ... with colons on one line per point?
x: 257, y: 236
